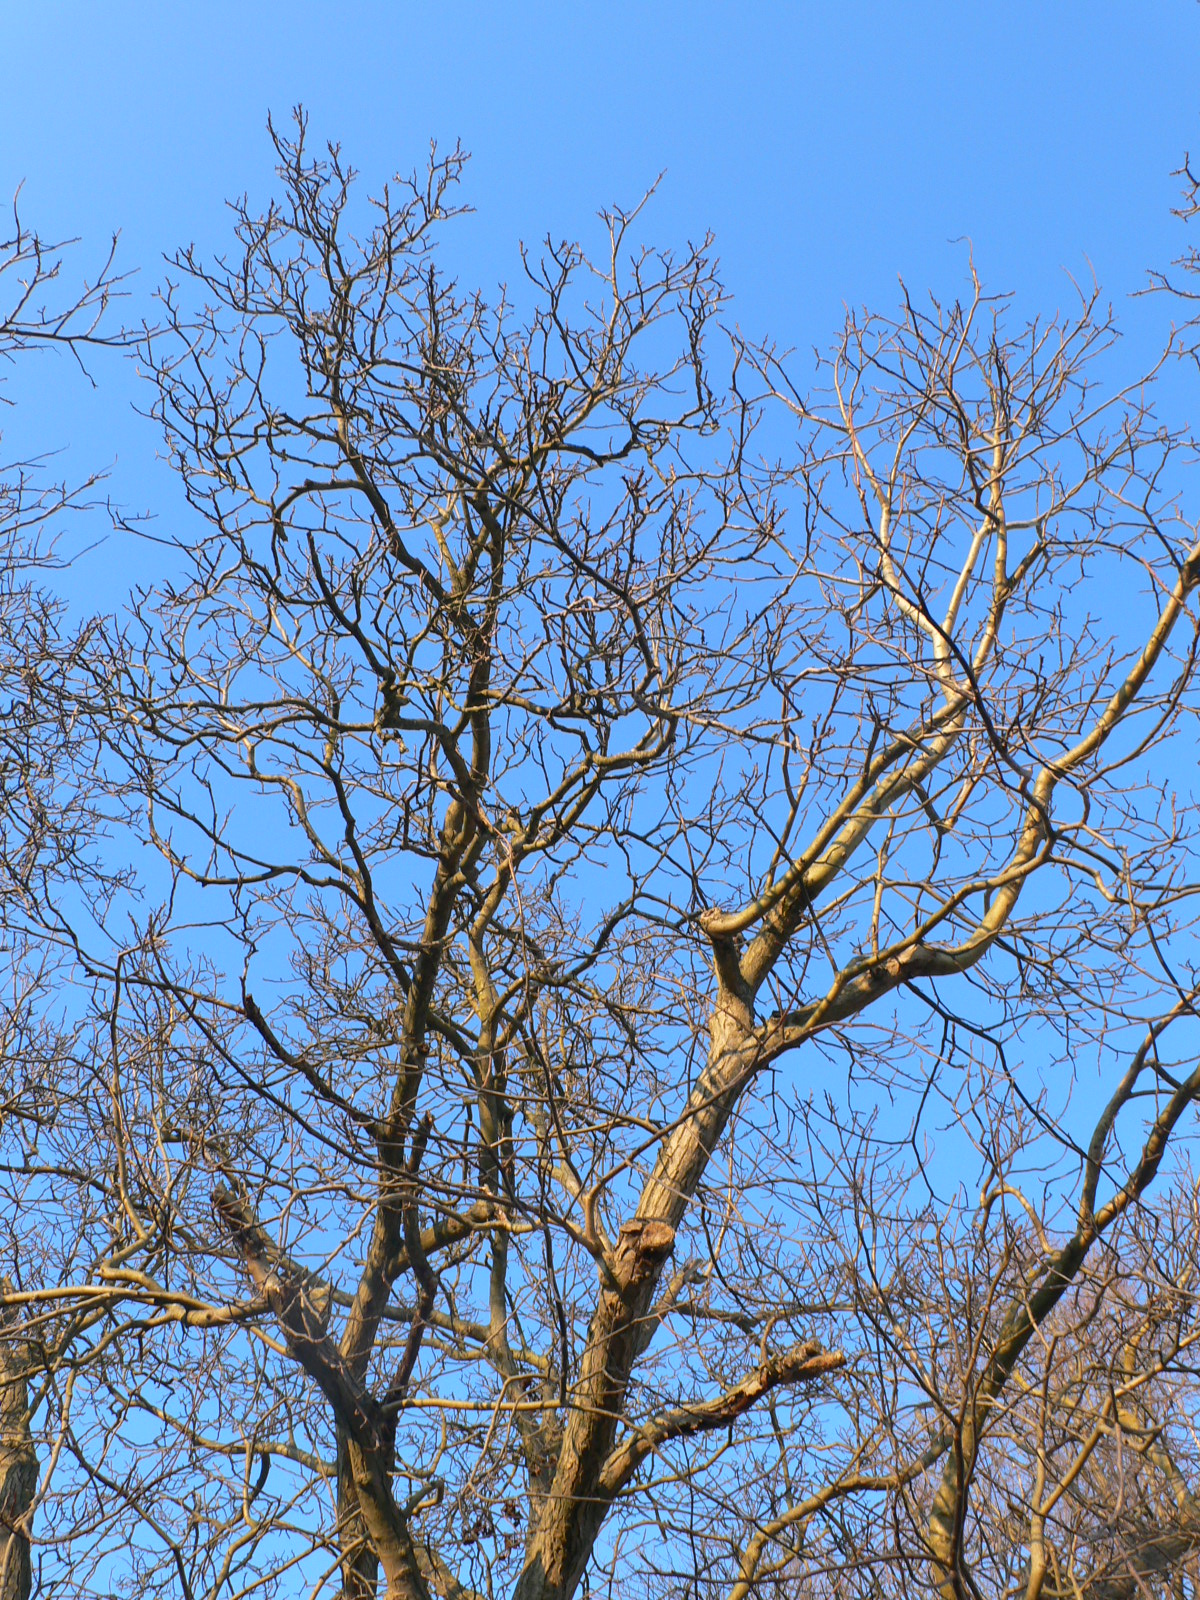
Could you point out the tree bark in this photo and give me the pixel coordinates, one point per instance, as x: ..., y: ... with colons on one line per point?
x: 360, y: 1564
x: 560, y: 1545
x: 18, y: 1462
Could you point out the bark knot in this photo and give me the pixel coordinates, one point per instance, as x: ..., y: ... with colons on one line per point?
x: 644, y: 1244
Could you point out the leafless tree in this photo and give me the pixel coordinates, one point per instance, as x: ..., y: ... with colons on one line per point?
x: 41, y: 818
x: 649, y: 1042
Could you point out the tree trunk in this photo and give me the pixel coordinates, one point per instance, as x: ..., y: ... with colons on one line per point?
x: 561, y: 1544
x: 18, y: 1462
x: 360, y: 1564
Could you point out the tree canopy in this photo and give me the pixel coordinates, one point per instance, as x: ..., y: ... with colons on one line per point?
x: 600, y: 982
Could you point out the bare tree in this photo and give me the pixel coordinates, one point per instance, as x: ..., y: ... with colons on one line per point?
x: 41, y: 819
x: 654, y: 1046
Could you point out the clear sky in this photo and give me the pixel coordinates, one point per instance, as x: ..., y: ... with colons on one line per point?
x: 830, y: 147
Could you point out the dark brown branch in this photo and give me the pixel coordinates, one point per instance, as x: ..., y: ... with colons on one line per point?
x: 798, y: 1365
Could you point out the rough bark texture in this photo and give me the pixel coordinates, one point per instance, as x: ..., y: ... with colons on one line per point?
x: 18, y: 1464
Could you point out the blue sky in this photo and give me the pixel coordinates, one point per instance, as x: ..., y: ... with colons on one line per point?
x: 830, y: 147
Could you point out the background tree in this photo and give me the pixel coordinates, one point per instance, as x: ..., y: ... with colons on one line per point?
x: 42, y: 814
x: 655, y: 1043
